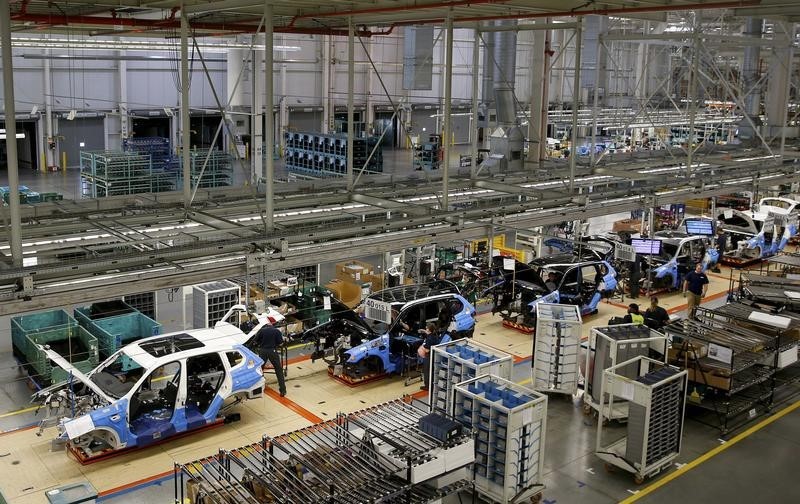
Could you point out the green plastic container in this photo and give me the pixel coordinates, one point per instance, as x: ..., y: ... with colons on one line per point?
x: 75, y: 344
x: 116, y: 331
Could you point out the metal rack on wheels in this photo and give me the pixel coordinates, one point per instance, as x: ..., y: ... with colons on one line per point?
x: 511, y: 422
x: 554, y: 361
x: 656, y: 397
x: 380, y: 454
x: 785, y: 326
x: 609, y: 346
x: 730, y: 367
x: 775, y: 291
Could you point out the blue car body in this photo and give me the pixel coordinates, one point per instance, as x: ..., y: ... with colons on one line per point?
x: 361, y: 359
x: 154, y: 388
x: 678, y: 257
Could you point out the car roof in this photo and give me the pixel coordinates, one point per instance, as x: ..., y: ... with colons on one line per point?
x: 221, y: 338
x: 408, y: 293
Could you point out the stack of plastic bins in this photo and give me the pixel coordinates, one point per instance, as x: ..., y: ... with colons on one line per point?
x: 555, y: 348
x: 59, y: 331
x: 611, y: 345
x: 145, y: 302
x: 113, y: 331
x: 462, y: 360
x: 511, y: 422
x: 211, y: 301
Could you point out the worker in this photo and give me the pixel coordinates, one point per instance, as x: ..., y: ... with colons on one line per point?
x: 633, y: 316
x: 655, y: 317
x: 551, y: 282
x: 434, y: 335
x: 269, y: 340
x: 695, y: 286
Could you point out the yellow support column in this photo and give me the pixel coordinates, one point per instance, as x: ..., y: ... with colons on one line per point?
x: 64, y: 162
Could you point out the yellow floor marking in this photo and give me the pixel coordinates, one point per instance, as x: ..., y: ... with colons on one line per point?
x: 702, y: 458
x: 24, y: 410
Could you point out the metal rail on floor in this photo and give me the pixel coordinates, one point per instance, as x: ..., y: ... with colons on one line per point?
x: 378, y: 454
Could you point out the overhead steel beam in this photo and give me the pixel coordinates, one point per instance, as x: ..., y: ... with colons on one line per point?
x: 387, y: 204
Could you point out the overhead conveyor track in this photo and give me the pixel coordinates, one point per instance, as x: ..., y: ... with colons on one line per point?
x: 97, y: 253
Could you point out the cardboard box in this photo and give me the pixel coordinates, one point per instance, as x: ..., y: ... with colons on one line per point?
x: 709, y: 378
x: 629, y: 225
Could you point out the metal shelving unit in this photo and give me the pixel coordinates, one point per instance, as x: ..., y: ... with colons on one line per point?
x: 211, y: 301
x: 554, y: 362
x: 511, y: 422
x: 461, y: 360
x: 378, y: 455
x: 113, y: 173
x: 611, y: 345
x: 731, y: 367
x: 656, y: 400
x: 218, y: 170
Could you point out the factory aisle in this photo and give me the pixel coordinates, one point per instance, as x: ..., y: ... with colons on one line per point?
x: 742, y: 473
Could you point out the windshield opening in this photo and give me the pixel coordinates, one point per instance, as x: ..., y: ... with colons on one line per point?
x: 119, y: 376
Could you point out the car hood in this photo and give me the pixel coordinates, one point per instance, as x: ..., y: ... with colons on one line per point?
x: 75, y: 372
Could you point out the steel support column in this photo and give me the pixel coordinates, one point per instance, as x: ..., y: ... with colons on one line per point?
x: 692, y: 100
x: 537, y: 99
x: 473, y: 133
x: 51, y: 155
x: 351, y: 68
x: 185, y: 140
x: 269, y: 117
x: 790, y: 33
x: 15, y: 223
x: 448, y: 90
x: 576, y: 100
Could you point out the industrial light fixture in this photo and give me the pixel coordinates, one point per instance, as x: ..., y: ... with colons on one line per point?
x: 134, y: 45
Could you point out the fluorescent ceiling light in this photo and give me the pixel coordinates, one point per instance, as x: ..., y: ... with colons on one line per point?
x: 134, y: 45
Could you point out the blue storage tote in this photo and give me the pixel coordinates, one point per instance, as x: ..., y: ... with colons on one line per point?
x: 116, y: 331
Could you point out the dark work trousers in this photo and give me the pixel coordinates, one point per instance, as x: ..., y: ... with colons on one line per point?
x: 273, y: 357
x: 426, y: 370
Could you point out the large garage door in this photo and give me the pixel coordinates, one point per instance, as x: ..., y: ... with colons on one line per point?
x: 88, y: 131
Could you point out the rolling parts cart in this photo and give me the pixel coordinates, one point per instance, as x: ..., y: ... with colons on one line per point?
x: 656, y: 399
x: 555, y: 349
x: 461, y: 360
x: 510, y: 421
x: 611, y: 345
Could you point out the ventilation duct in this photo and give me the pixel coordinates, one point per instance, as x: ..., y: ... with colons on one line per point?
x: 752, y: 99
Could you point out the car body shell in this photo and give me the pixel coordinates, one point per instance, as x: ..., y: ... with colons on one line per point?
x: 120, y: 419
x: 679, y: 253
x: 361, y: 349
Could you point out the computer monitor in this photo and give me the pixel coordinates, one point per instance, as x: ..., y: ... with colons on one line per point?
x: 702, y: 227
x: 648, y: 247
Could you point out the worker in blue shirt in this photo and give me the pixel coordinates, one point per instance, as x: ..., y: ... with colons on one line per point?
x: 695, y: 286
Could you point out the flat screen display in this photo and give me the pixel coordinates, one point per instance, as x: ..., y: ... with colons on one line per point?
x: 703, y: 227
x: 642, y: 246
